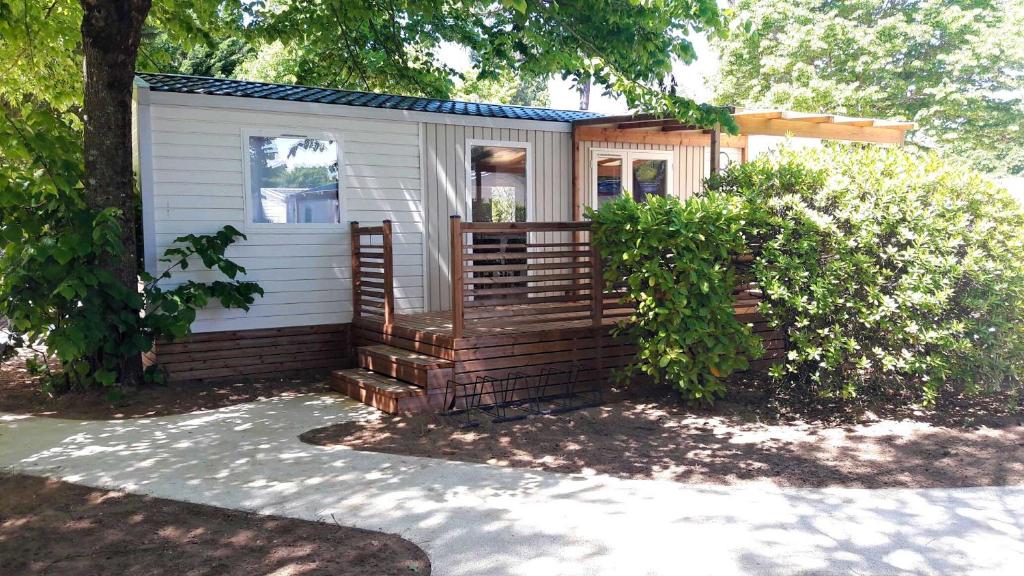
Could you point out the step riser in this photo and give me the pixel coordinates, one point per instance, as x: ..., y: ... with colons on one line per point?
x: 383, y: 400
x: 365, y: 395
x: 401, y: 343
x: 429, y: 378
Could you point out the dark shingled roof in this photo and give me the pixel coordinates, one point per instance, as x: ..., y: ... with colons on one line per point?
x: 287, y: 92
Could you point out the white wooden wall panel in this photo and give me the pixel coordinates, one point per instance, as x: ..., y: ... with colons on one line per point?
x: 444, y: 193
x: 198, y: 188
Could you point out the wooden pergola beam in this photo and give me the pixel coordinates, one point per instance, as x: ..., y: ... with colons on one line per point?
x: 613, y: 120
x: 643, y: 124
x: 823, y: 130
x: 601, y: 134
x: 895, y: 125
x: 813, y: 118
x: 755, y: 123
x: 683, y: 128
x: 862, y: 122
x: 758, y: 114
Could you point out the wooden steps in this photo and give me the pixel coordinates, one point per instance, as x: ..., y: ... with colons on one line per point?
x: 395, y: 380
x: 382, y: 392
x: 405, y: 365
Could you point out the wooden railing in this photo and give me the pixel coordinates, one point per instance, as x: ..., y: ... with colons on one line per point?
x: 538, y: 273
x: 373, y: 277
x: 541, y: 275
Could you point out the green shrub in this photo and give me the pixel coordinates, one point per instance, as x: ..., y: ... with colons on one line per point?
x: 675, y: 262
x: 894, y: 274
x: 63, y: 305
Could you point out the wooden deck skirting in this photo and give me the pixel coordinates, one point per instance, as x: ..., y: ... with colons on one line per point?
x: 255, y: 353
x: 527, y: 349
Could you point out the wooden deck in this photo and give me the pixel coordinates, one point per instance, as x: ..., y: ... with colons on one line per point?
x: 486, y: 351
x: 527, y: 298
x: 440, y: 323
x: 489, y: 349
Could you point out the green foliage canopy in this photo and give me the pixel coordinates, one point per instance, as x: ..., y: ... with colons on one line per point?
x: 393, y: 45
x: 222, y: 57
x: 62, y: 303
x: 895, y: 275
x: 506, y: 89
x: 955, y: 67
x: 674, y: 261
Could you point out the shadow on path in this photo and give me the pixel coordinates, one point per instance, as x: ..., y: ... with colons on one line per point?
x: 480, y: 519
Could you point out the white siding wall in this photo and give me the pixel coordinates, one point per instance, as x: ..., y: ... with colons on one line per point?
x: 411, y: 172
x: 444, y: 193
x: 198, y: 163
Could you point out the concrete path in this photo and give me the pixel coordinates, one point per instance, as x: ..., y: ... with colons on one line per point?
x: 476, y: 519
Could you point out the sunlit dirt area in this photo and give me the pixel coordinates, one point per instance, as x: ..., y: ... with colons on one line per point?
x: 657, y: 437
x: 56, y: 528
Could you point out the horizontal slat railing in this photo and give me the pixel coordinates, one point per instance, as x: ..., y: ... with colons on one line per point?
x: 537, y: 273
x: 542, y: 274
x: 520, y: 227
x: 373, y: 283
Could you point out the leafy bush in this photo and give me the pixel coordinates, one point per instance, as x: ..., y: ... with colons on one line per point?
x: 893, y: 274
x: 675, y: 262
x: 62, y: 304
x: 170, y: 313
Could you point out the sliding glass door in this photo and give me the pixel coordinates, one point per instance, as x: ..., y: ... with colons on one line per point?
x: 641, y: 173
x: 608, y: 172
x: 498, y: 190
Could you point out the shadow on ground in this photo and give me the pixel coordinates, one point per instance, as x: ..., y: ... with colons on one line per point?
x: 56, y: 528
x: 479, y: 519
x: 663, y: 440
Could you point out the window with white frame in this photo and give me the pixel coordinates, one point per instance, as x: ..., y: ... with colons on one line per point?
x: 641, y: 173
x: 498, y: 181
x: 608, y: 175
x: 293, y: 179
x: 498, y: 189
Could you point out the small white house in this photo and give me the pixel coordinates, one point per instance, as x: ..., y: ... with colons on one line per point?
x: 292, y: 166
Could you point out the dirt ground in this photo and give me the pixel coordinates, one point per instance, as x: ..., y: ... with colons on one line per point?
x: 56, y: 528
x: 736, y: 441
x: 22, y: 393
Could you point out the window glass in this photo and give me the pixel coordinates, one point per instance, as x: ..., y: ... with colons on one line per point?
x: 650, y: 178
x: 497, y: 183
x: 609, y: 179
x: 294, y: 180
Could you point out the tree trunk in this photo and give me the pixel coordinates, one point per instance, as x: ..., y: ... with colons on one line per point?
x: 111, y: 32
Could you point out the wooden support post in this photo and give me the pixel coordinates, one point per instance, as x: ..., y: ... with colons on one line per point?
x: 389, y: 277
x: 597, y: 303
x: 356, y: 288
x: 457, y: 279
x: 577, y: 180
x: 596, y: 283
x: 716, y: 150
x: 577, y: 196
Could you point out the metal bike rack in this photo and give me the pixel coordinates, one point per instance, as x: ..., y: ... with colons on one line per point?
x: 519, y: 395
